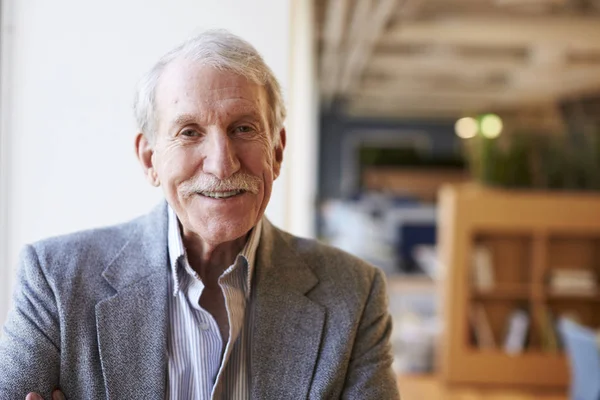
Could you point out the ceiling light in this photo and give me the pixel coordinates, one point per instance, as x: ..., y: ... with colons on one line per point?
x: 491, y: 126
x: 466, y: 128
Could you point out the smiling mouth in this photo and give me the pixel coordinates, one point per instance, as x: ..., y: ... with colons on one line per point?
x: 222, y: 195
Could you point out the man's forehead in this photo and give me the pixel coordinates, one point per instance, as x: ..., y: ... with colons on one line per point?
x: 184, y: 74
x: 188, y: 82
x: 188, y: 91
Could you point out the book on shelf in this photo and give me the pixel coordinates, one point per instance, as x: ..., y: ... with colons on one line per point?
x: 571, y: 281
x: 482, y: 329
x: 516, y: 335
x: 550, y: 338
x: 483, y: 267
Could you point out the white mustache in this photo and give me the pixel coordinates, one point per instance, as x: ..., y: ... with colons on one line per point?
x: 209, y: 183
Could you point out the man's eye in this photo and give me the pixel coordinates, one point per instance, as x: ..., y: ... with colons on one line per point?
x: 189, y: 133
x: 243, y: 129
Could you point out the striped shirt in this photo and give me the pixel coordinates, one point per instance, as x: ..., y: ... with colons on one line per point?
x: 199, y: 366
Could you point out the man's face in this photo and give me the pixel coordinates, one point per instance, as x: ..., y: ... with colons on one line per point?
x: 213, y: 154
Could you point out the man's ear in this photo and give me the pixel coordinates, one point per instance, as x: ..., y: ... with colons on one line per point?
x: 278, y: 153
x: 144, y: 152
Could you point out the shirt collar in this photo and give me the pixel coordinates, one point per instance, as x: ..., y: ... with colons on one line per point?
x: 177, y: 251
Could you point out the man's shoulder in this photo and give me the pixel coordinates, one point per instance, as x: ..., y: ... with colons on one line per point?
x: 86, y: 250
x: 327, y: 261
x: 86, y: 240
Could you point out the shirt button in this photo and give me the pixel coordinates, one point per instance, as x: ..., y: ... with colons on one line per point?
x: 204, y: 326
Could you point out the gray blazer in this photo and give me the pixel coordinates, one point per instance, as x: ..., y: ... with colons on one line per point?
x: 90, y: 316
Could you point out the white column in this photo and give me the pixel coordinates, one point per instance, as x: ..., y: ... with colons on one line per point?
x: 302, y: 149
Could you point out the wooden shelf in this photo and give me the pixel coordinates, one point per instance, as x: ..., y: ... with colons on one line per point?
x: 530, y: 354
x: 521, y: 237
x: 531, y: 368
x: 499, y: 292
x: 431, y: 387
x: 573, y: 296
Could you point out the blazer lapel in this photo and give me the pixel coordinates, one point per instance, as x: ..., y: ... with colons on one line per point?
x: 132, y: 325
x: 287, y: 325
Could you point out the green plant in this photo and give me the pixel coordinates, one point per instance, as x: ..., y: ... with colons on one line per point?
x: 525, y: 160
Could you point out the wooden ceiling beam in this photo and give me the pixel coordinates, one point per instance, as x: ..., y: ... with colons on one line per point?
x: 393, y: 113
x: 564, y: 31
x: 405, y: 110
x: 431, y: 99
x: 366, y: 30
x: 432, y: 82
x: 448, y: 63
x: 416, y: 87
x: 333, y: 35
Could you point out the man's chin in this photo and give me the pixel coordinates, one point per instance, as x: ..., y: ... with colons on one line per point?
x: 216, y: 229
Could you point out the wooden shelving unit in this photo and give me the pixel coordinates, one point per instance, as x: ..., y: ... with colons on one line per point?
x: 529, y: 235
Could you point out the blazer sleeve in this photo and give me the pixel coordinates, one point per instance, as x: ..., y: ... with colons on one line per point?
x: 30, y: 341
x: 370, y: 374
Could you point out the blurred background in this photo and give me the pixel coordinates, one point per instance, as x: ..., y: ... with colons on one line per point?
x: 455, y: 144
x: 460, y: 152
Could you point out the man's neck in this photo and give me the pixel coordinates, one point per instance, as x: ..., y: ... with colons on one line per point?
x: 210, y: 261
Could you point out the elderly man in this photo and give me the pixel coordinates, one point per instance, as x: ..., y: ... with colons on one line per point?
x: 202, y: 298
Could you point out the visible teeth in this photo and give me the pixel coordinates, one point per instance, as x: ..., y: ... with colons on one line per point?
x: 221, y: 195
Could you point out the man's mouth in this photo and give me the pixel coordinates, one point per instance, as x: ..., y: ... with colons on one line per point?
x: 222, y: 195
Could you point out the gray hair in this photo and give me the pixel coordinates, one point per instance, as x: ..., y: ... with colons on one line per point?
x: 221, y: 50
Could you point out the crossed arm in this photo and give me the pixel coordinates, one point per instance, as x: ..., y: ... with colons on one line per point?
x: 30, y: 342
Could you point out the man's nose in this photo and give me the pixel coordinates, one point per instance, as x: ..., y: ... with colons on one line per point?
x: 220, y: 158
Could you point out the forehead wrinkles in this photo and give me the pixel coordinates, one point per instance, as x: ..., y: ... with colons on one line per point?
x: 197, y: 89
x: 221, y: 97
x: 217, y: 107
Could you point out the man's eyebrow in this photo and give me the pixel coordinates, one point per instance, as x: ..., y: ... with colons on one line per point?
x: 183, y: 119
x: 247, y: 112
x: 242, y: 112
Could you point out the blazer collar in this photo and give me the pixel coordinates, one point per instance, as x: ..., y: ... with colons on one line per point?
x: 286, y: 323
x: 281, y: 268
x: 132, y: 325
x: 144, y: 254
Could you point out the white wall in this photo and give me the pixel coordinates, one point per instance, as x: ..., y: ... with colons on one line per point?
x: 66, y: 113
x: 5, y: 151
